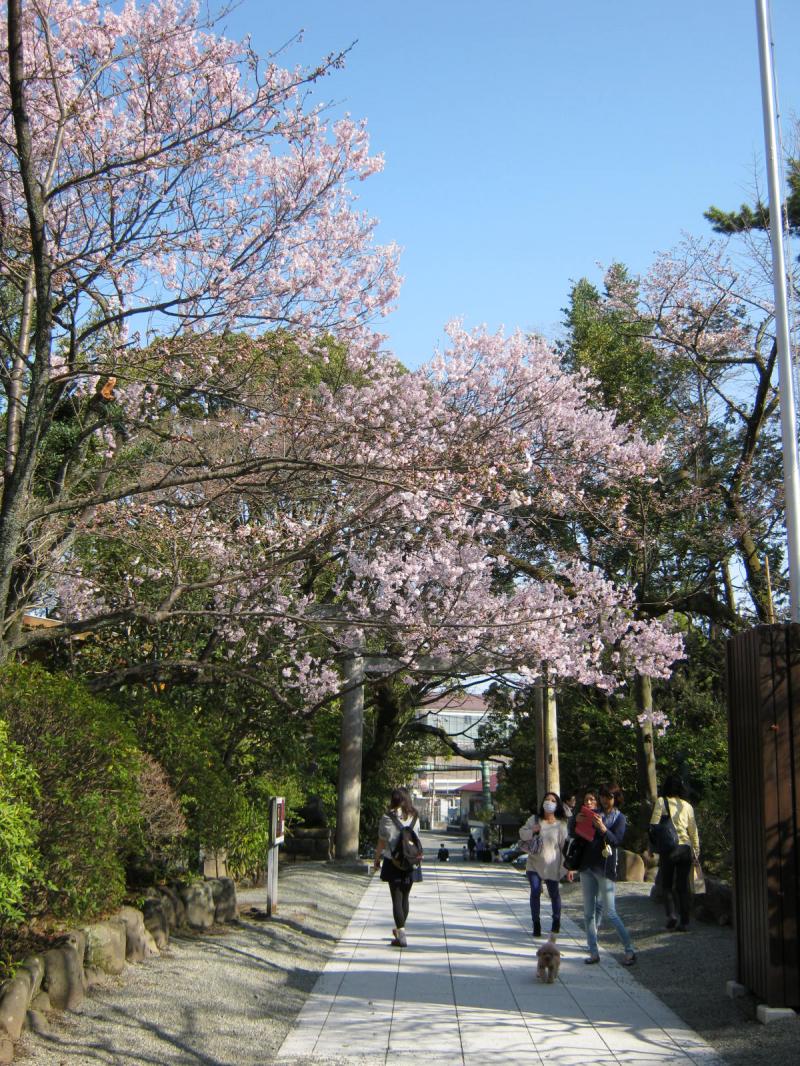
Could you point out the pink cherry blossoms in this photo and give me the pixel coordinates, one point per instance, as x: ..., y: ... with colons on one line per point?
x: 403, y: 489
x: 203, y: 439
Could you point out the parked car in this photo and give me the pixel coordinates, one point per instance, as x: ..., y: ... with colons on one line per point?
x: 511, y: 854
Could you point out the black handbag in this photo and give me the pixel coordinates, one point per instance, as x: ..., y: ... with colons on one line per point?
x: 572, y: 852
x: 662, y: 834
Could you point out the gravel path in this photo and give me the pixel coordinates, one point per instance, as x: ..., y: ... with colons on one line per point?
x: 688, y: 971
x: 227, y: 998
x: 230, y: 997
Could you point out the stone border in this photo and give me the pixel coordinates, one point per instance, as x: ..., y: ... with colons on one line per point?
x: 58, y: 978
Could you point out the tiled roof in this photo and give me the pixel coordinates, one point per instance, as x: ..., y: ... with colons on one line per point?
x: 477, y: 786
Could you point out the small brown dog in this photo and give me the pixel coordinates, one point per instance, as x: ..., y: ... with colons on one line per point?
x: 549, y: 960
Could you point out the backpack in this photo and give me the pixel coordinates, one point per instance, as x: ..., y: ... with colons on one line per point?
x: 407, y: 852
x: 662, y: 834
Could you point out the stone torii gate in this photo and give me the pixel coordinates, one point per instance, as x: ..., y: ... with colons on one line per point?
x: 355, y: 668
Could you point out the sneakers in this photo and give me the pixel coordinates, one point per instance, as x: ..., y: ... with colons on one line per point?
x: 672, y: 921
x: 399, y: 938
x: 629, y: 958
x: 592, y: 960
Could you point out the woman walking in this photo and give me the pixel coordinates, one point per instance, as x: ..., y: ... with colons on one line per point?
x: 677, y: 865
x: 545, y: 834
x: 598, y: 867
x: 401, y: 814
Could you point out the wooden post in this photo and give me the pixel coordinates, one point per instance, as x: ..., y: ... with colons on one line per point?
x: 276, y: 816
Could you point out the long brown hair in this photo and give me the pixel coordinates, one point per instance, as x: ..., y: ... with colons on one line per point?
x: 401, y: 797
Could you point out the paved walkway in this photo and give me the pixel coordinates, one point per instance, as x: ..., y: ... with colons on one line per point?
x: 465, y: 989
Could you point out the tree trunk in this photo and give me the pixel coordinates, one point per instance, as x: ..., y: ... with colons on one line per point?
x: 646, y: 777
x: 25, y: 434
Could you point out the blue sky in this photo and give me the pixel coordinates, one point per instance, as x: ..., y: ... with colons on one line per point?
x: 526, y: 142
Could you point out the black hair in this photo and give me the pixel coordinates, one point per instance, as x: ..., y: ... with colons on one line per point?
x: 615, y: 792
x: 673, y: 786
x: 560, y: 812
x: 401, y: 797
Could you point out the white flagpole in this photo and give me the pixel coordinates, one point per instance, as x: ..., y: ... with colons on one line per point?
x: 791, y: 478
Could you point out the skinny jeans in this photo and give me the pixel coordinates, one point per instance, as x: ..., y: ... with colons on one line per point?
x: 553, y: 892
x: 675, y: 870
x: 400, y: 894
x: 600, y: 890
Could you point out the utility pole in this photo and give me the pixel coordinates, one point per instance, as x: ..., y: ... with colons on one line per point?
x: 791, y: 479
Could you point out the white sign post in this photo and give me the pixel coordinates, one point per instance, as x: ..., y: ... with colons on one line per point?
x: 277, y: 811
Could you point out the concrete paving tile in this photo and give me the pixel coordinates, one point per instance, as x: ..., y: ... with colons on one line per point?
x: 565, y: 1057
x: 469, y: 945
x: 418, y: 1058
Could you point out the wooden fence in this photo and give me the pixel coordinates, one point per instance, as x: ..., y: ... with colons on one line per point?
x: 764, y: 724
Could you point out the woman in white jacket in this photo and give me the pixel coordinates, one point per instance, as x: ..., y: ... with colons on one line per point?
x: 544, y: 836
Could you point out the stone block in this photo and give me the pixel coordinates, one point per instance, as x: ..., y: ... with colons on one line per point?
x: 6, y: 1050
x: 41, y: 1002
x: 105, y: 946
x: 198, y: 899
x: 172, y: 903
x: 155, y: 922
x: 224, y: 892
x: 215, y: 864
x: 734, y: 990
x: 64, y: 979
x: 139, y: 944
x: 631, y: 866
x: 767, y: 1015
x: 14, y: 1000
x: 716, y: 903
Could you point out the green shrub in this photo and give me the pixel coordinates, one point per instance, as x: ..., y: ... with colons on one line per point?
x: 88, y: 804
x: 249, y: 840
x: 19, y: 829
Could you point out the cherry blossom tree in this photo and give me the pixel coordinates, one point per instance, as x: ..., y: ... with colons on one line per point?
x: 374, y: 512
x: 156, y: 180
x: 202, y: 435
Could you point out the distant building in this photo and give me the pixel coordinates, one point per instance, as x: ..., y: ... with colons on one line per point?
x: 471, y: 799
x: 439, y: 780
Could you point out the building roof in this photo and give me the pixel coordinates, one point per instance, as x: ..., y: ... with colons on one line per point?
x: 477, y: 786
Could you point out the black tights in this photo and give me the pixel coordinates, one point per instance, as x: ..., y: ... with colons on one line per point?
x: 400, y: 894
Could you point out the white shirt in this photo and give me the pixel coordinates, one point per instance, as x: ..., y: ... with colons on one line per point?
x: 389, y: 832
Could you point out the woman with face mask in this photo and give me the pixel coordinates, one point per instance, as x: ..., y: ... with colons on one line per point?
x: 543, y: 837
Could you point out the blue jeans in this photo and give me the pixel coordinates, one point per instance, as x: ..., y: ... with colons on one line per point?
x: 553, y: 892
x: 599, y: 890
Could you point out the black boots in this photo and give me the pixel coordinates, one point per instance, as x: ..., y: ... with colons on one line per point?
x: 537, y: 928
x: 556, y: 926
